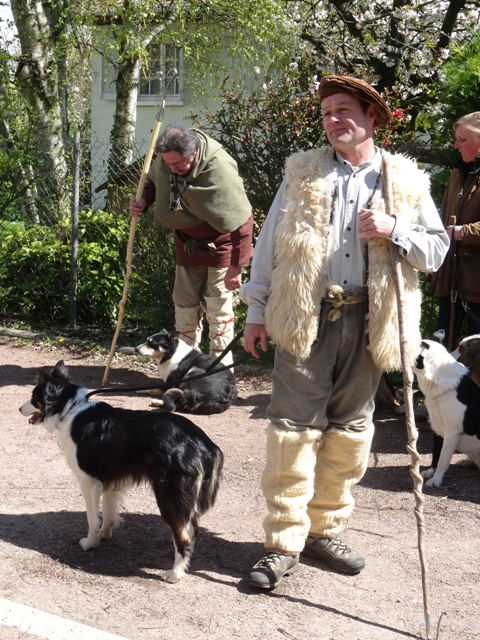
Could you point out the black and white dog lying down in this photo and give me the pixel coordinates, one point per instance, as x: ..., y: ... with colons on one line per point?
x: 177, y: 362
x: 111, y: 449
x: 452, y: 400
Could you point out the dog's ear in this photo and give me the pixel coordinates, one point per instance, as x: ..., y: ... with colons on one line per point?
x: 60, y: 371
x: 438, y: 336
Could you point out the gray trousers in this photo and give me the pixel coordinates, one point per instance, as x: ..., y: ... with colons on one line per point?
x: 335, y: 386
x: 320, y: 432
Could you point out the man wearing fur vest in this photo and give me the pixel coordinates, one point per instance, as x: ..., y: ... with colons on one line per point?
x: 322, y: 290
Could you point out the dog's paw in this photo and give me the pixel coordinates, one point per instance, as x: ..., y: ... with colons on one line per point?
x: 90, y: 542
x: 106, y: 532
x: 172, y: 576
x: 428, y: 473
x: 109, y: 526
x: 163, y: 406
x: 434, y: 482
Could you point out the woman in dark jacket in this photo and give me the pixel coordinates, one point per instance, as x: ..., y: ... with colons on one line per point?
x: 457, y: 281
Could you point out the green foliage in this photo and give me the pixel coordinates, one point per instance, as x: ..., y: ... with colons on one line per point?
x: 33, y: 270
x: 459, y: 92
x: 101, y: 247
x: 150, y: 300
x: 429, y: 318
x: 261, y: 129
x: 35, y: 266
x: 11, y: 191
x: 229, y: 37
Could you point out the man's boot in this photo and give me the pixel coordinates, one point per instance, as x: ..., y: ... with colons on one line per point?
x: 188, y: 322
x: 221, y: 323
x: 341, y: 463
x: 287, y: 484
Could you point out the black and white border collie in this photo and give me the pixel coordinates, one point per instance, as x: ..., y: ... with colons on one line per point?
x: 176, y: 362
x: 111, y: 449
x: 452, y: 400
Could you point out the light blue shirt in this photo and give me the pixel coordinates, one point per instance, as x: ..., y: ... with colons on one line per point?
x: 346, y: 261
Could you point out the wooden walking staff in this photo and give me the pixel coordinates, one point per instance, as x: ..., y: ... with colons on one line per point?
x: 453, y: 288
x: 169, y: 78
x: 412, y: 431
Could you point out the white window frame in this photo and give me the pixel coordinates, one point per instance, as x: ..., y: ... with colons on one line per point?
x: 164, y: 55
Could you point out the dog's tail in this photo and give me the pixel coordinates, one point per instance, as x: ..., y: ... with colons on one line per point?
x: 210, y: 480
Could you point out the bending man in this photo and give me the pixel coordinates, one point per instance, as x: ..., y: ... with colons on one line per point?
x: 198, y: 192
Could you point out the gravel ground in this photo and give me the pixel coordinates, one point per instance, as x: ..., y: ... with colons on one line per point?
x: 116, y: 588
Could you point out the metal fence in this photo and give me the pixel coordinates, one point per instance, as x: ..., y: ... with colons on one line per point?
x: 62, y: 252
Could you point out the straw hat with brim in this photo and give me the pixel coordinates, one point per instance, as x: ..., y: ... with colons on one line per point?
x: 358, y: 88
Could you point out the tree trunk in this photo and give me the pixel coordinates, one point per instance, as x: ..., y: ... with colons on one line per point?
x: 37, y: 77
x: 122, y: 135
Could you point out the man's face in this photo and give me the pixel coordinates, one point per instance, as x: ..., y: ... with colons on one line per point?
x: 177, y: 163
x: 345, y: 122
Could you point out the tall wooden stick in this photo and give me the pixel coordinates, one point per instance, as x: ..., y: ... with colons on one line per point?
x: 408, y: 396
x: 453, y: 288
x: 172, y: 74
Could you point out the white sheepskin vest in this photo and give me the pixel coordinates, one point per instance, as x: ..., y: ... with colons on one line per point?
x: 301, y: 244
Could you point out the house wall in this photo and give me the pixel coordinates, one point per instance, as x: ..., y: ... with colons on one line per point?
x: 102, y: 114
x: 103, y: 109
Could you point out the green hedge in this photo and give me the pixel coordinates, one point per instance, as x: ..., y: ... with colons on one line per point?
x: 35, y: 272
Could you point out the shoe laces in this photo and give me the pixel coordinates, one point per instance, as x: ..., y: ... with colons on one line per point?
x: 270, y: 560
x: 338, y: 547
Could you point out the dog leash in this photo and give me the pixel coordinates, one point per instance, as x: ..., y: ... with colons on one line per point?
x: 228, y: 348
x: 209, y: 371
x: 469, y: 312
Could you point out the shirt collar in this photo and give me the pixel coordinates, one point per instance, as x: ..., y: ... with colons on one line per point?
x: 374, y: 162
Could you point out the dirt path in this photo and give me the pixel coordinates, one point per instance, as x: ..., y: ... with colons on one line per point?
x: 116, y: 588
